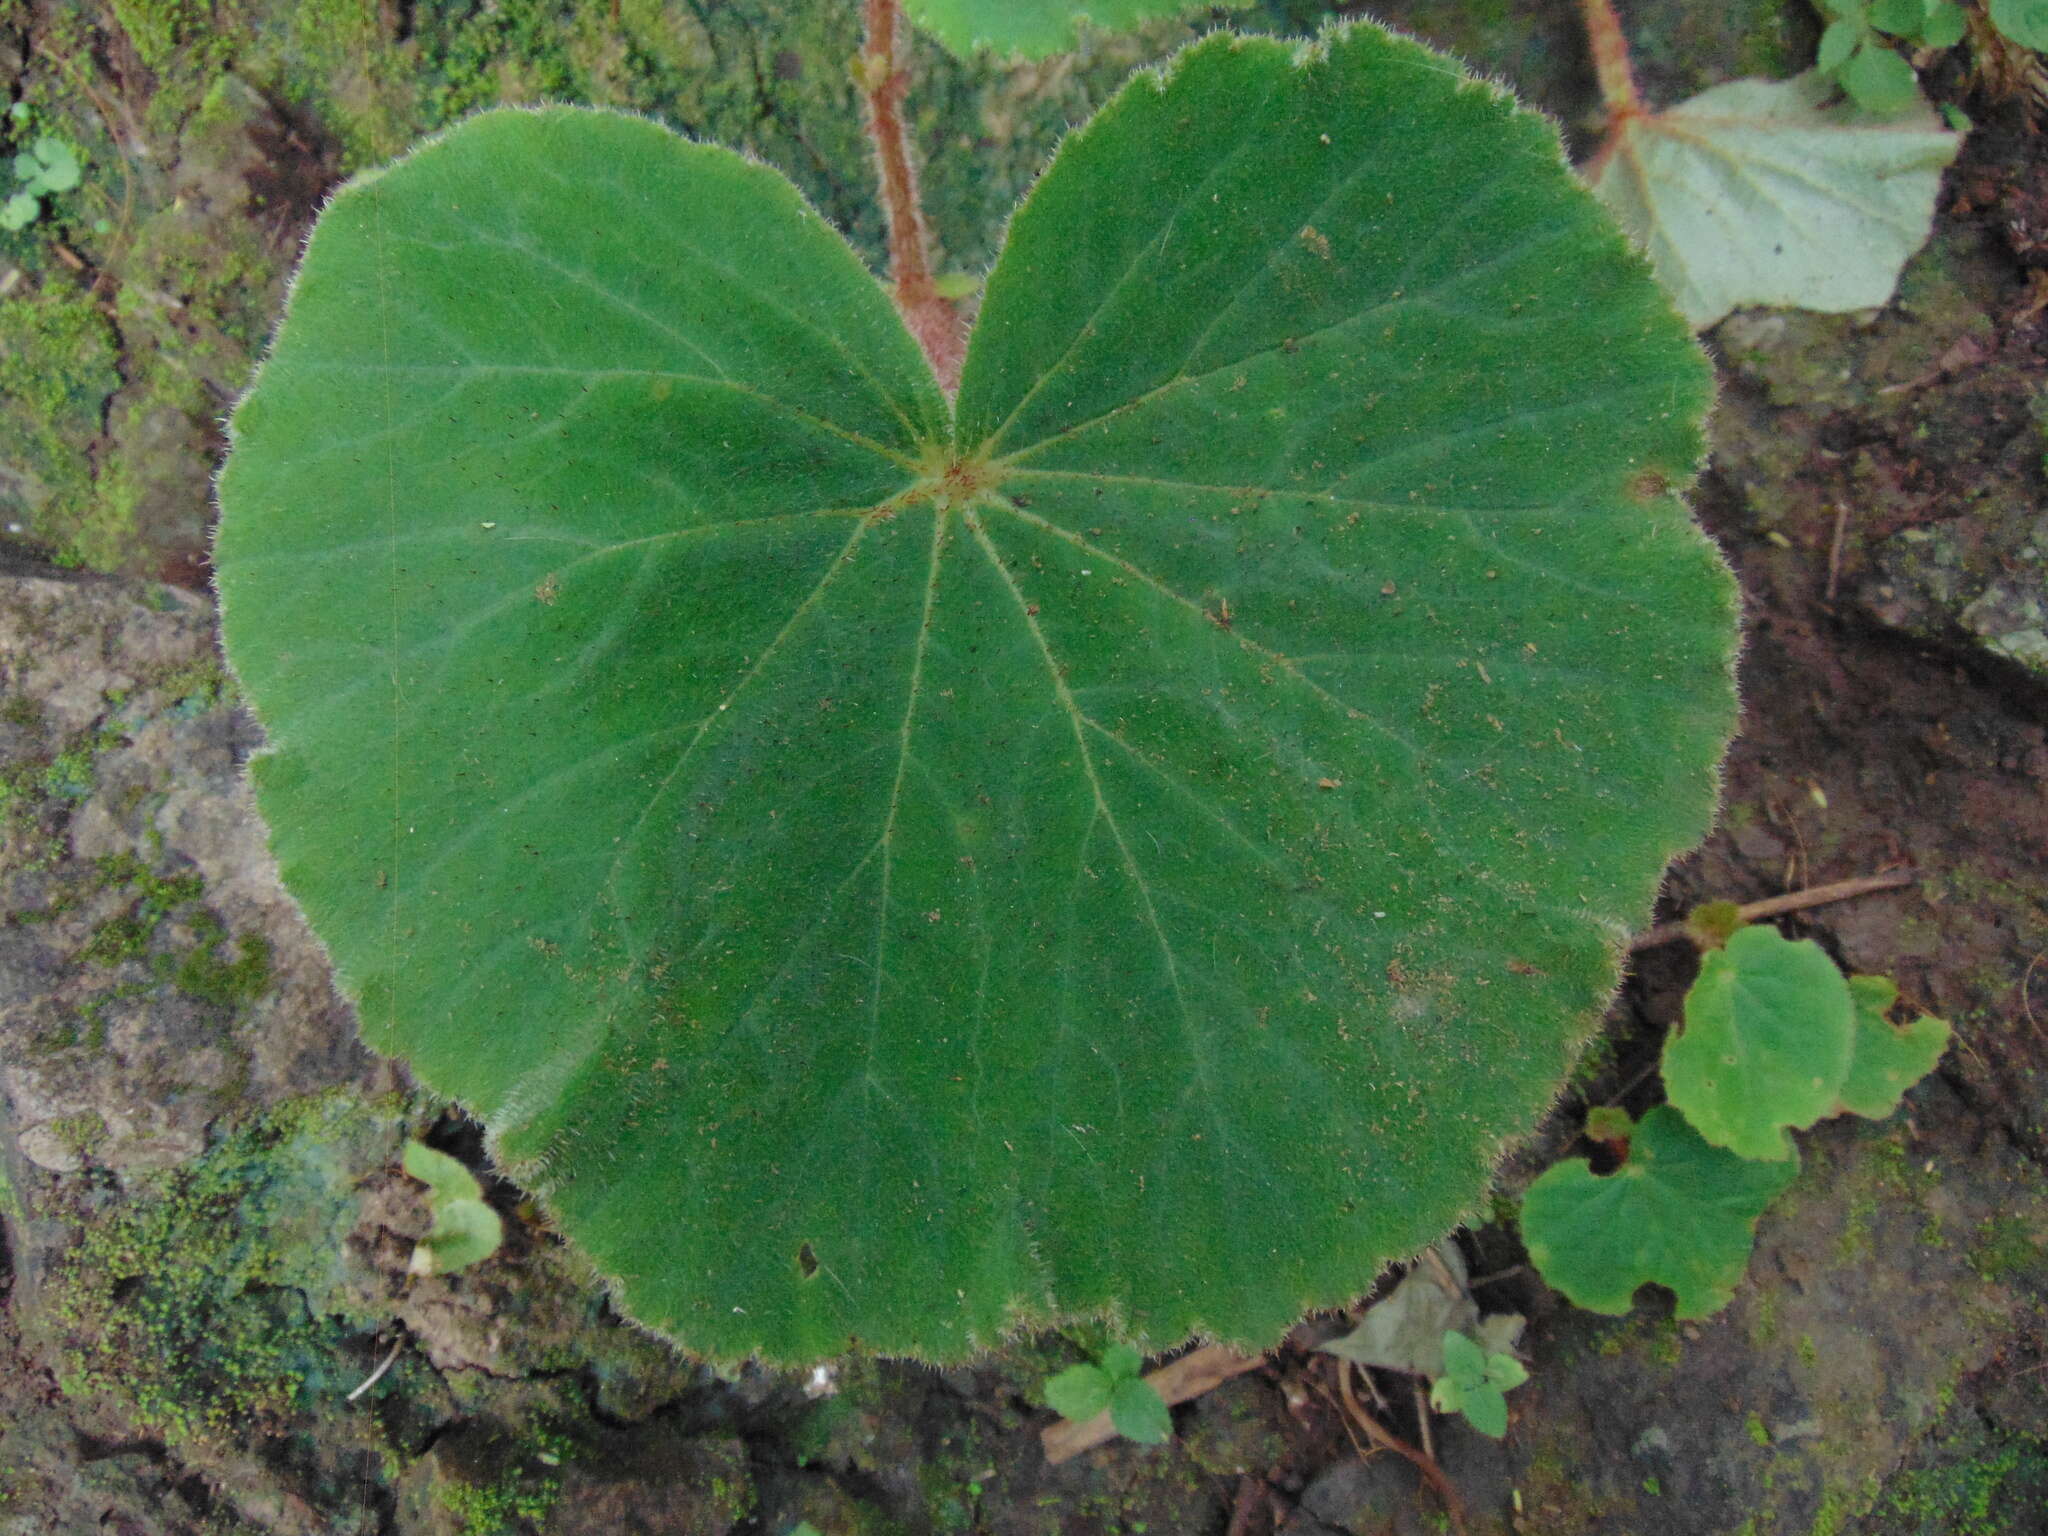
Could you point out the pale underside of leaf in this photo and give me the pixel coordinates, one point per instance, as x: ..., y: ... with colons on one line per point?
x: 1140, y: 852
x: 1754, y: 192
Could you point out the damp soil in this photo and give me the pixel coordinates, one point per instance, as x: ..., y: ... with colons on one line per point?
x: 204, y: 1240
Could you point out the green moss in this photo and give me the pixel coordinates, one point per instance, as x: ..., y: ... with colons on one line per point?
x: 56, y: 374
x: 188, y: 1308
x: 497, y: 1508
x: 2000, y: 1488
x: 126, y: 935
x: 82, y: 1134
x: 2003, y: 1247
x: 203, y: 974
x: 1753, y: 1425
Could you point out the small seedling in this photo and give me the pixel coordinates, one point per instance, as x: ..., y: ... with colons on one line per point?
x: 466, y: 1231
x: 1775, y: 1038
x: 1476, y: 1382
x: 48, y: 165
x: 1118, y: 1384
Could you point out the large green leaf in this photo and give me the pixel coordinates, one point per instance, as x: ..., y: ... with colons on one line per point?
x: 1140, y: 851
x: 1679, y: 1213
x: 1035, y: 28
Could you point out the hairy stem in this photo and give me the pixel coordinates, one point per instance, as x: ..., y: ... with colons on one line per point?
x: 929, y: 314
x: 1610, y: 62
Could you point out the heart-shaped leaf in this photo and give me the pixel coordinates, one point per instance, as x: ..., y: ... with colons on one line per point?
x: 1769, y: 1033
x: 1136, y: 847
x: 1679, y: 1213
x: 1035, y: 28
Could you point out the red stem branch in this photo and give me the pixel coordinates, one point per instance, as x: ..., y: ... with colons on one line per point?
x: 1610, y: 62
x: 929, y: 314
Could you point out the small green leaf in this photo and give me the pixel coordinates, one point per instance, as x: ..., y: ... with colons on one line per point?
x: 1680, y: 1213
x: 1768, y: 1036
x: 1879, y: 81
x: 1079, y: 1392
x: 1121, y: 1362
x: 1607, y: 1122
x: 1837, y: 43
x: 1035, y: 28
x: 1479, y: 1400
x: 445, y: 1177
x: 1464, y: 1360
x: 2022, y: 21
x: 1140, y: 1413
x: 60, y: 169
x: 1888, y: 1059
x: 20, y: 211
x: 466, y: 1230
x: 1901, y: 18
x: 1504, y: 1372
x: 27, y: 167
x: 1944, y: 26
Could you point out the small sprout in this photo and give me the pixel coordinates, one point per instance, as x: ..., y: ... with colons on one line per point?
x: 466, y: 1231
x: 1117, y: 1384
x: 47, y: 166
x: 1476, y: 1382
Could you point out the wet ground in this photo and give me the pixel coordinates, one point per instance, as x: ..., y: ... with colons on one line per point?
x: 205, y: 1234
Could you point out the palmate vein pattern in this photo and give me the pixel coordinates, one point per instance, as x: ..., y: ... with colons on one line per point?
x: 1137, y: 841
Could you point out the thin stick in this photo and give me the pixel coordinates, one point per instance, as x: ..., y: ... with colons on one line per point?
x: 382, y: 1366
x: 2026, y: 1005
x: 1835, y: 549
x: 929, y: 314
x: 1422, y: 1417
x: 1386, y: 1439
x: 1791, y: 901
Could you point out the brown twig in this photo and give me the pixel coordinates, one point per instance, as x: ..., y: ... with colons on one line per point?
x: 1791, y: 901
x: 1387, y: 1440
x: 1245, y: 1507
x: 2026, y: 1004
x: 1835, y: 549
x: 931, y: 317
